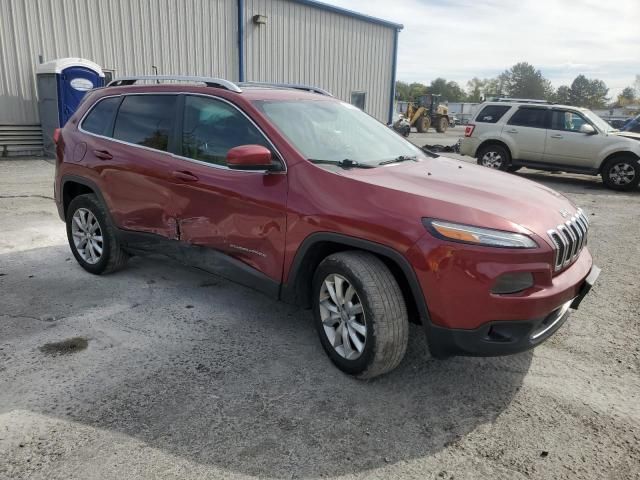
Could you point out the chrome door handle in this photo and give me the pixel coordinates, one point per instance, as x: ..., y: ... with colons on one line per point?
x: 102, y: 154
x: 513, y: 130
x: 184, y: 176
x: 556, y: 136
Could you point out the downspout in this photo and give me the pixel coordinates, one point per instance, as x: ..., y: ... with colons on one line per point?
x: 393, y: 75
x: 241, y: 40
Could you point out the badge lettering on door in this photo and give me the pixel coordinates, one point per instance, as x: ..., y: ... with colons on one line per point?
x: 248, y: 250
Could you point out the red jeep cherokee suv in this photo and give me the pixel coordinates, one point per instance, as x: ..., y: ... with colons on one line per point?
x: 294, y: 193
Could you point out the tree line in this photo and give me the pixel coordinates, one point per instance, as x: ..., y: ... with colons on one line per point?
x: 522, y: 80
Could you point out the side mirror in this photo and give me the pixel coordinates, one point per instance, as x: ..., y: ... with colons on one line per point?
x: 249, y: 157
x: 588, y: 129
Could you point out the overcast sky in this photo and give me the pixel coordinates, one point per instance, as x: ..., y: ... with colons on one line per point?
x: 460, y: 39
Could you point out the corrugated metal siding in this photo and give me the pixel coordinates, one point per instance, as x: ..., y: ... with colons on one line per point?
x: 304, y: 44
x: 188, y: 37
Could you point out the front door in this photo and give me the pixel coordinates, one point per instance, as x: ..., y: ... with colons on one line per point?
x: 566, y: 145
x: 239, y: 213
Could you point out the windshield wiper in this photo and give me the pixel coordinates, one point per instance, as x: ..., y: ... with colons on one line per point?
x: 398, y: 159
x: 346, y: 163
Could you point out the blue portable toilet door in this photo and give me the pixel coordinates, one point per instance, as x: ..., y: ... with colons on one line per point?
x: 74, y: 83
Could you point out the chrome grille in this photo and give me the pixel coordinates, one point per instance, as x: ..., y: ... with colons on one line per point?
x: 569, y: 239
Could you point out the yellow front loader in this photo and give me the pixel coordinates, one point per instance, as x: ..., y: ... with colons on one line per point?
x: 426, y: 113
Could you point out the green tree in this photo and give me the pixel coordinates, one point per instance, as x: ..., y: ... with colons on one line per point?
x: 494, y: 87
x: 563, y: 95
x: 402, y: 91
x: 475, y: 89
x: 524, y: 81
x: 450, y: 91
x: 417, y: 90
x: 410, y: 91
x: 590, y: 93
x: 627, y: 97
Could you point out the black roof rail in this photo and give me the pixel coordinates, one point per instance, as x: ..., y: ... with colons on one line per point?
x: 208, y: 81
x: 296, y: 86
x: 523, y: 100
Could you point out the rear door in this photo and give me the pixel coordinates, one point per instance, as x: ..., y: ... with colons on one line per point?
x: 526, y: 128
x: 566, y: 145
x: 240, y: 213
x: 133, y: 160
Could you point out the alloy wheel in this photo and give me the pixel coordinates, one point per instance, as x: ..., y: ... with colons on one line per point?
x: 492, y: 159
x: 342, y: 316
x: 87, y: 236
x: 622, y: 173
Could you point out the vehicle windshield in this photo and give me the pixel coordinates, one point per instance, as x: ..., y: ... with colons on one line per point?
x: 598, y: 122
x: 335, y: 131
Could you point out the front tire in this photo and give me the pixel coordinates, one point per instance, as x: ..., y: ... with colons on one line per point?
x: 494, y: 156
x: 360, y: 314
x: 92, y: 237
x: 621, y: 173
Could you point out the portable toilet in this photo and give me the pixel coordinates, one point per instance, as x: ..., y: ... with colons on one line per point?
x: 61, y: 85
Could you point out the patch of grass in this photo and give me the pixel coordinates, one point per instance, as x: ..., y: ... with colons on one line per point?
x: 65, y: 347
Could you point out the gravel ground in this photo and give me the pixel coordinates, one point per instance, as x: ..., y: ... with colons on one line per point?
x: 161, y: 371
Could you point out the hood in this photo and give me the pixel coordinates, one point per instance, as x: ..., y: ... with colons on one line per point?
x: 458, y: 191
x: 635, y: 136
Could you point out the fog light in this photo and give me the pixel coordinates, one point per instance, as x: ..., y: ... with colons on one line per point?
x: 512, y: 283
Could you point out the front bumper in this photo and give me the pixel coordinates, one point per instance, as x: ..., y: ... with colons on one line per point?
x: 505, y: 337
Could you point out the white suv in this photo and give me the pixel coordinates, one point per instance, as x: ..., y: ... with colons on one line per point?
x: 509, y: 133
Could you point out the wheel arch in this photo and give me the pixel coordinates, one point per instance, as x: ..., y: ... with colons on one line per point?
x: 316, y: 247
x: 493, y: 141
x: 618, y: 153
x: 73, y: 186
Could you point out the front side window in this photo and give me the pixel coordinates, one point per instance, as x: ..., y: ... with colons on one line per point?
x: 99, y: 119
x: 146, y: 120
x: 492, y: 113
x: 567, y: 121
x: 529, y: 117
x: 329, y: 130
x: 211, y: 128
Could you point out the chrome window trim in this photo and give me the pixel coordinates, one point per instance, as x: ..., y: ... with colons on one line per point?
x: 174, y: 155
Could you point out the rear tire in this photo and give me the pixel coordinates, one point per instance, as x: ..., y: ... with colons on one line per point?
x: 494, y: 156
x: 442, y: 125
x: 360, y: 314
x: 621, y: 173
x: 92, y: 237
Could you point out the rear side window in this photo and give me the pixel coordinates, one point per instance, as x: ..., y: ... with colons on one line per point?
x: 146, y: 120
x: 211, y: 128
x: 492, y: 113
x: 529, y: 117
x: 99, y: 119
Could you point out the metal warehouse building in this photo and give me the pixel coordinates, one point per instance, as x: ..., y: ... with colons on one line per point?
x: 290, y: 41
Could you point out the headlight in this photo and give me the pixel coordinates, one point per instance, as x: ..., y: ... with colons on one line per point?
x: 478, y: 236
